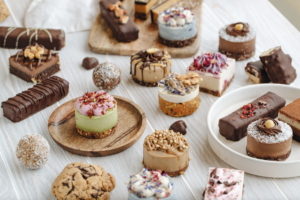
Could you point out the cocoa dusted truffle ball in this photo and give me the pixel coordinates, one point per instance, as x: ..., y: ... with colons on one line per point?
x: 107, y: 76
x: 33, y: 151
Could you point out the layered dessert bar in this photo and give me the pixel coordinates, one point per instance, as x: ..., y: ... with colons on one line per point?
x: 177, y: 27
x: 291, y: 114
x: 122, y: 26
x: 34, y: 64
x: 234, y: 126
x: 237, y: 41
x: 96, y: 115
x: 224, y: 184
x: 257, y: 73
x: 35, y: 99
x: 178, y: 95
x: 216, y: 70
x: 149, y: 66
x: 167, y: 151
x: 269, y: 139
x: 278, y: 66
x: 151, y: 185
x: 19, y: 38
x: 160, y: 7
x: 143, y: 7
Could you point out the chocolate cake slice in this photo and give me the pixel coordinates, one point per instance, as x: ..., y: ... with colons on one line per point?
x: 34, y: 64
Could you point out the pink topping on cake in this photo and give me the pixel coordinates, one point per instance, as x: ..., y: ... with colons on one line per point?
x: 209, y: 62
x: 95, y: 103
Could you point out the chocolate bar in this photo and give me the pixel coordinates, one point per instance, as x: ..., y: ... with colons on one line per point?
x: 142, y: 8
x: 278, y: 66
x: 35, y: 99
x: 34, y: 63
x: 256, y: 72
x: 234, y: 126
x: 122, y: 26
x: 19, y: 38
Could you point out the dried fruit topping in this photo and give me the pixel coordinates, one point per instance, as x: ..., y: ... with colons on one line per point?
x: 248, y: 111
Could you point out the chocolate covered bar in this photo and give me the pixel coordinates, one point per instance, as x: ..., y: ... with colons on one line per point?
x: 18, y: 38
x: 234, y: 126
x: 122, y: 26
x: 278, y: 66
x: 35, y: 99
x: 142, y: 8
x: 256, y: 72
x: 34, y: 63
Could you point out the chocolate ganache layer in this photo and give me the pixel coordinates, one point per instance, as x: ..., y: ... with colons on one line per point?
x: 272, y: 130
x: 238, y: 29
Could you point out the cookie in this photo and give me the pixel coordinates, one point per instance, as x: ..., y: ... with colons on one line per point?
x: 4, y: 12
x: 83, y: 181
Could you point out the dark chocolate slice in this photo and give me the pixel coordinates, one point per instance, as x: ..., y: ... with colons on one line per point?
x: 122, y: 32
x: 35, y: 99
x: 257, y: 70
x: 278, y: 66
x: 19, y: 38
x: 234, y: 126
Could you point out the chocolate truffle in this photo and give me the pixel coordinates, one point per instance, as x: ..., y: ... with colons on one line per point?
x: 179, y: 126
x: 107, y: 76
x: 269, y: 139
x: 237, y: 41
x: 33, y: 151
x: 278, y: 66
x: 89, y: 62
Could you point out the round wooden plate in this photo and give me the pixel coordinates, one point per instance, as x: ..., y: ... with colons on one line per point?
x: 131, y: 126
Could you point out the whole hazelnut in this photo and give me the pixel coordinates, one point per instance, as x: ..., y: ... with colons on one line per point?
x: 239, y: 27
x: 269, y: 124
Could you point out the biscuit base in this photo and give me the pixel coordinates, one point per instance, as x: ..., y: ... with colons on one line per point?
x: 177, y: 43
x: 278, y: 158
x: 97, y: 135
x: 216, y: 93
x: 237, y: 56
x: 172, y: 174
x: 148, y: 84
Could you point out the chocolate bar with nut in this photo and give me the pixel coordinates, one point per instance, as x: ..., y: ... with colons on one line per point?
x: 122, y: 26
x: 34, y: 64
x: 19, y: 38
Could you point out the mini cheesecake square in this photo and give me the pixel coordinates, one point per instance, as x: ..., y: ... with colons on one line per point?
x: 290, y: 114
x: 216, y: 70
x: 224, y: 183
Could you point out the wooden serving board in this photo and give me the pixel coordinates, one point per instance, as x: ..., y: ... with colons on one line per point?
x: 102, y: 41
x: 131, y: 126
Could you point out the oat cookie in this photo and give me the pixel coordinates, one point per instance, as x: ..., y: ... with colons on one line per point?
x: 83, y: 181
x: 4, y: 12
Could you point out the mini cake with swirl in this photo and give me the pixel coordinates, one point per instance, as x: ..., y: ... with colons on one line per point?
x: 149, y: 66
x: 237, y: 41
x: 216, y: 70
x: 177, y: 27
x: 269, y: 139
x: 151, y: 185
x: 166, y: 150
x: 96, y: 115
x: 178, y: 95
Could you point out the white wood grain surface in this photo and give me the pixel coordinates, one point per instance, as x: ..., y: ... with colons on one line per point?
x: 16, y: 182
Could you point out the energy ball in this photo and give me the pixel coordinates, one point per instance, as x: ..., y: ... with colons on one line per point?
x: 33, y: 151
x: 106, y: 76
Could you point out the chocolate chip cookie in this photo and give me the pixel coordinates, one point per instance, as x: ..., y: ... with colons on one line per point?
x: 83, y: 181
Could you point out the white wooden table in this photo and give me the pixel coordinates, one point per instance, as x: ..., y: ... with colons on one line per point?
x: 17, y: 182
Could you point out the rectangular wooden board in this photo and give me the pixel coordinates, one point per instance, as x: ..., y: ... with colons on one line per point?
x: 102, y: 41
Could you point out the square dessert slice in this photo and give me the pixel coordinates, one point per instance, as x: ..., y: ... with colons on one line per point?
x: 224, y: 184
x: 256, y: 72
x: 290, y: 114
x: 34, y: 64
x: 216, y: 70
x: 142, y: 8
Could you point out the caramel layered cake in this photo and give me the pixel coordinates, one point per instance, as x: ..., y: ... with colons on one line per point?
x: 237, y: 41
x: 177, y: 27
x: 178, y: 95
x: 142, y: 8
x: 34, y: 64
x: 216, y: 70
x: 161, y: 6
x: 167, y: 151
x: 96, y: 115
x: 151, y: 185
x: 149, y: 66
x: 257, y: 73
x: 269, y: 139
x: 227, y: 184
x: 290, y: 114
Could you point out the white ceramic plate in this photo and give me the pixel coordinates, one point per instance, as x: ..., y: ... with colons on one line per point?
x: 234, y: 153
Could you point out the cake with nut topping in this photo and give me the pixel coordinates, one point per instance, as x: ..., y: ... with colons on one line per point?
x: 149, y: 66
x: 166, y: 150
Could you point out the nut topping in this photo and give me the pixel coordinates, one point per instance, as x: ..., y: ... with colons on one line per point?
x: 239, y: 27
x: 151, y: 50
x: 34, y: 52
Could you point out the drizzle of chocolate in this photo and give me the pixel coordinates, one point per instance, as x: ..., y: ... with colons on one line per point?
x: 268, y: 131
x: 232, y: 31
